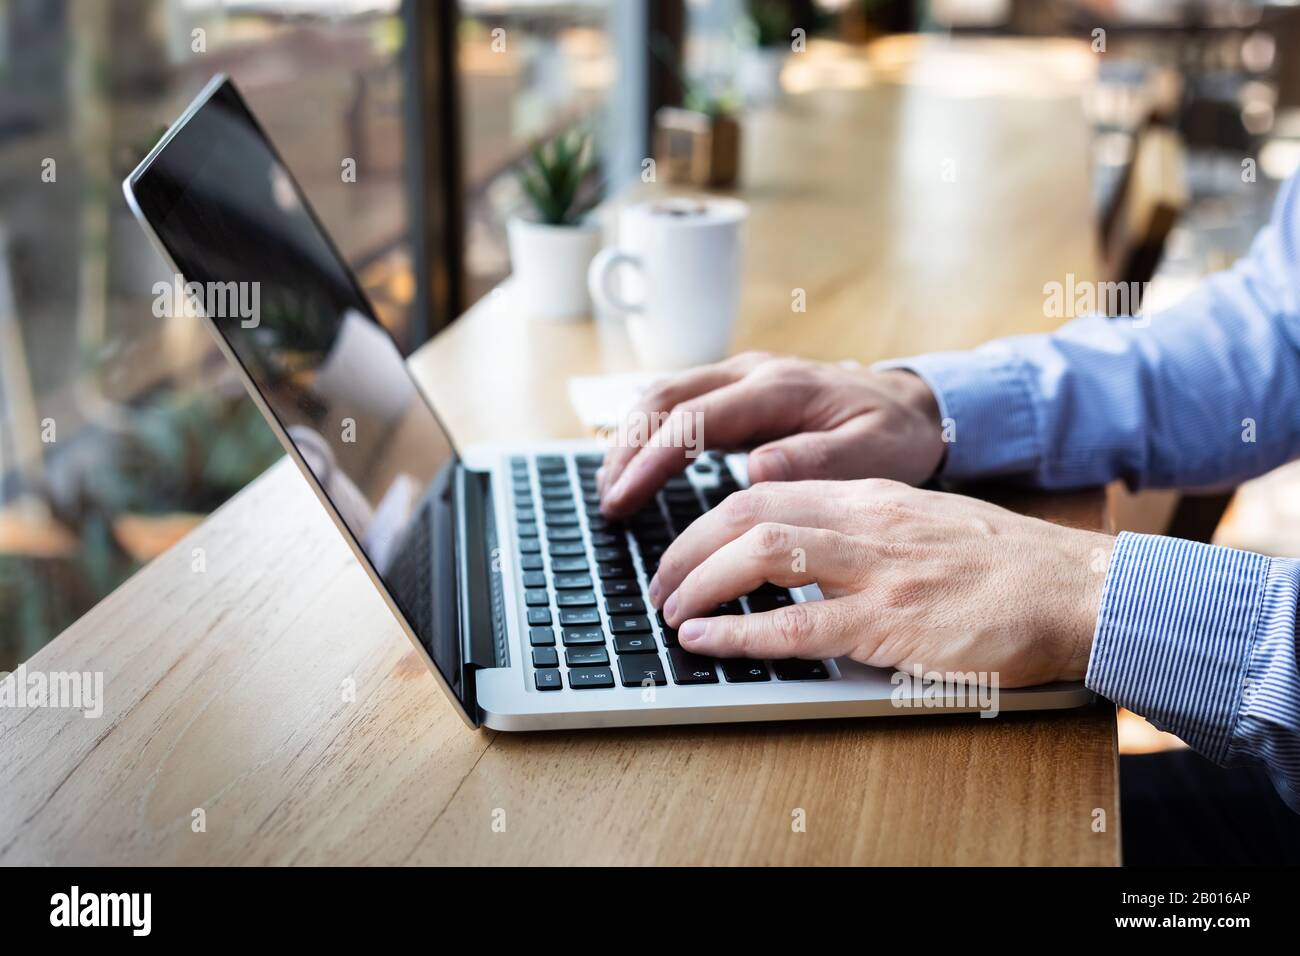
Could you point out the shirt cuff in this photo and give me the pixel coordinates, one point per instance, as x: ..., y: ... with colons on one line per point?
x: 1174, y: 635
x: 986, y: 404
x: 1270, y: 701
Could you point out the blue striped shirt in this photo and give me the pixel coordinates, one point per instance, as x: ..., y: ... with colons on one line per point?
x: 1200, y: 640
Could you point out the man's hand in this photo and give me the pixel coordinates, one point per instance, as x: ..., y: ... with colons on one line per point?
x: 910, y: 577
x: 819, y: 421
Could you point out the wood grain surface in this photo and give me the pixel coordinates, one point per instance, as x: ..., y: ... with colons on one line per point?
x: 227, y: 690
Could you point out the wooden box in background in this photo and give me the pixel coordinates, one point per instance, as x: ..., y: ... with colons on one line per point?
x: 696, y: 149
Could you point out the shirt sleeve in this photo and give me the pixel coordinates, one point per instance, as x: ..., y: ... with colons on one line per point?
x: 1205, y: 393
x: 1201, y: 641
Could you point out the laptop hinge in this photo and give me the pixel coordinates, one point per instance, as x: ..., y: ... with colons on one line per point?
x: 478, y: 579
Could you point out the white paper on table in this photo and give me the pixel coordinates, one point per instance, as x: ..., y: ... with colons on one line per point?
x: 603, y: 401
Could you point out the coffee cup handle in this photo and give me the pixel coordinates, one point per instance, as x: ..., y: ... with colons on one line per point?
x: 601, y: 271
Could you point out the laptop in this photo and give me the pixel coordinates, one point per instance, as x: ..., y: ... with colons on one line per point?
x: 527, y: 605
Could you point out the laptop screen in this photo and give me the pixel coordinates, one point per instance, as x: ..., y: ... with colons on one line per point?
x: 254, y: 259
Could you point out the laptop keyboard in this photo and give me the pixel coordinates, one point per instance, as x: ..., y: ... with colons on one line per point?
x: 584, y: 578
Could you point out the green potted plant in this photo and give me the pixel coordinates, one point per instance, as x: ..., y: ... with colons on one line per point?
x: 770, y: 28
x: 553, y: 242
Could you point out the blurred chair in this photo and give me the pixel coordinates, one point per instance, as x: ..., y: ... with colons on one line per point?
x: 1149, y: 198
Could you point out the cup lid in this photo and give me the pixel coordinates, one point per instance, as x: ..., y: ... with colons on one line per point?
x: 693, y: 210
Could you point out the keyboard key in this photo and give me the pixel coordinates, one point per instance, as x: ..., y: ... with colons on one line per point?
x: 567, y: 549
x: 537, y: 598
x: 768, y: 598
x: 531, y: 562
x: 624, y: 605
x: 563, y: 534
x: 576, y: 599
x: 641, y: 669
x: 527, y: 530
x: 547, y: 463
x: 690, y: 668
x: 713, y: 497
x: 541, y: 636
x: 670, y: 637
x: 585, y: 656
x: 579, y: 617
x: 617, y: 555
x: 740, y: 670
x: 651, y: 553
x: 619, y: 587
x: 581, y: 678
x: 614, y: 570
x: 606, y: 539
x: 534, y: 579
x: 567, y: 582
x: 539, y: 616
x: 545, y: 657
x: 548, y: 679
x: 634, y: 644
x: 795, y: 669
x: 646, y: 537
x: 626, y: 625
x: 530, y: 545
x: 569, y: 565
x: 567, y: 519
x: 580, y: 636
x: 681, y: 520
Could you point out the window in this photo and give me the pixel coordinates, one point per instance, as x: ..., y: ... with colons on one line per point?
x: 119, y: 429
x: 528, y: 71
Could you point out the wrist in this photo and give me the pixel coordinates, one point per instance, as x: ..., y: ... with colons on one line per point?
x: 1084, y: 581
x: 922, y: 416
x: 911, y: 391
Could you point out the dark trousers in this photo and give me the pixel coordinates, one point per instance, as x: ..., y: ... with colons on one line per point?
x: 1179, y: 809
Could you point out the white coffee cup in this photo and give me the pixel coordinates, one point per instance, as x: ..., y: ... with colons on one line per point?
x: 679, y: 285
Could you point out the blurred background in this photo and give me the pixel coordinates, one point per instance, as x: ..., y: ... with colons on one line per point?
x: 119, y: 430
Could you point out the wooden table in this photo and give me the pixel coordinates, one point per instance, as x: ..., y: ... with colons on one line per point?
x: 227, y: 690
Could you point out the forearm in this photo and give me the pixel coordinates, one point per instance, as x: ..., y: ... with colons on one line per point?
x: 1205, y: 393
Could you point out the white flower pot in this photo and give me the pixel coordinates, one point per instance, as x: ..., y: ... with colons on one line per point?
x: 549, y: 267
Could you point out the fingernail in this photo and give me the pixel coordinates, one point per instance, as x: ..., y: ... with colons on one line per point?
x: 617, y: 491
x: 769, y: 465
x: 692, y: 631
x: 670, y: 606
x: 656, y: 590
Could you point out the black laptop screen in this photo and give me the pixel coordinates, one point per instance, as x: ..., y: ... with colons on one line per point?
x: 254, y: 258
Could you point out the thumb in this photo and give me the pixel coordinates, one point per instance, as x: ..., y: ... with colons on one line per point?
x: 839, y: 453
